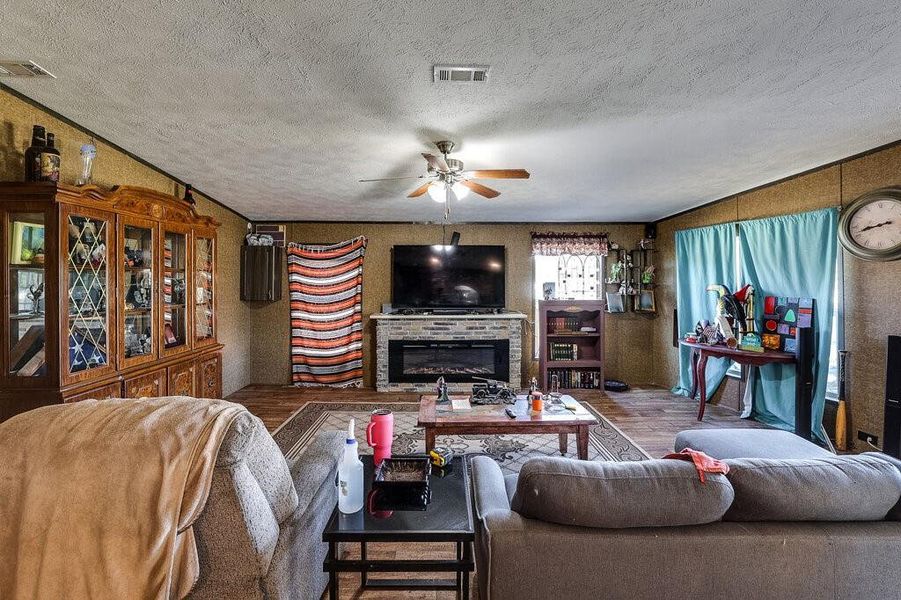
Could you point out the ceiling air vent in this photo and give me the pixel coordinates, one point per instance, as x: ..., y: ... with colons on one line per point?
x: 460, y: 74
x: 22, y: 68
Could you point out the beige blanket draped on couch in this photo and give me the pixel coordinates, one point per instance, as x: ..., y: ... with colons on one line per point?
x: 97, y: 498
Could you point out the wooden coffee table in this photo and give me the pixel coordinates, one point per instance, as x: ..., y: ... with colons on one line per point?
x: 491, y: 419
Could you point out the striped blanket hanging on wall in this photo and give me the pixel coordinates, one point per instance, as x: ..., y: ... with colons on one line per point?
x: 326, y: 285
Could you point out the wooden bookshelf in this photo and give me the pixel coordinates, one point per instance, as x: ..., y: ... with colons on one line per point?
x: 575, y: 356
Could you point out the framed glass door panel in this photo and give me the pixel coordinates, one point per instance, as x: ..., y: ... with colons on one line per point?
x: 87, y: 238
x: 28, y: 292
x: 204, y: 289
x: 175, y: 328
x: 138, y: 284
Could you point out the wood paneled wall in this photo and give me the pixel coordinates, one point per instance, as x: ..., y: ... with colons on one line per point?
x: 870, y: 289
x: 629, y: 356
x: 113, y: 167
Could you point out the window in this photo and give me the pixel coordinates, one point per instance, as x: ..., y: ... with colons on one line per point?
x: 575, y: 277
x: 832, y: 376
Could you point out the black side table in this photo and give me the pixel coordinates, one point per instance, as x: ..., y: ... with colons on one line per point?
x: 447, y: 518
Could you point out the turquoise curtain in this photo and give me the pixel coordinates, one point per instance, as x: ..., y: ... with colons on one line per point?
x: 794, y: 255
x: 703, y: 256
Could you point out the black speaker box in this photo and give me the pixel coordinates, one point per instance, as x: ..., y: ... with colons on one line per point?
x: 650, y: 231
x: 891, y: 435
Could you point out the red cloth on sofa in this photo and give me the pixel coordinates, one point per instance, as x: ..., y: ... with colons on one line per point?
x: 703, y: 463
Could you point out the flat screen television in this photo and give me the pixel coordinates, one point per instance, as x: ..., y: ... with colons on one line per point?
x: 448, y: 277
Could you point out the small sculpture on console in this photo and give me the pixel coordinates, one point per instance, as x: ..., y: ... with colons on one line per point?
x: 492, y: 392
x: 443, y: 398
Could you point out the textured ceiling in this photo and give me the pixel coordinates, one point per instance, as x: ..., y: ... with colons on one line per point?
x: 621, y: 110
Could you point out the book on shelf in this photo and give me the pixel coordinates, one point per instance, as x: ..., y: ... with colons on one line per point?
x: 564, y: 351
x: 564, y: 324
x: 575, y: 378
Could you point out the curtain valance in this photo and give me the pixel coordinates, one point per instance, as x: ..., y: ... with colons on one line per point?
x: 553, y: 243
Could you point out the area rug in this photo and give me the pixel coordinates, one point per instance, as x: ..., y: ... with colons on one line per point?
x: 605, y: 441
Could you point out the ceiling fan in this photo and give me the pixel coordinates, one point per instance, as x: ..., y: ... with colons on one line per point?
x: 448, y: 180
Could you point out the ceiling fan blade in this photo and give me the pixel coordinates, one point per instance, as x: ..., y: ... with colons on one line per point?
x: 480, y: 189
x: 436, y: 162
x: 393, y: 178
x: 498, y: 174
x: 420, y: 190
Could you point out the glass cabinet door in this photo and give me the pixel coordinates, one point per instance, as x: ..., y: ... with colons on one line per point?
x: 27, y: 316
x: 137, y: 291
x: 175, y: 283
x: 88, y: 292
x: 203, y: 289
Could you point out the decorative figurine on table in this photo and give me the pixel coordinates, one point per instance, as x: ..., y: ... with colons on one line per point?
x: 490, y: 391
x: 706, y: 333
x: 443, y: 398
x: 746, y: 297
x: 730, y: 306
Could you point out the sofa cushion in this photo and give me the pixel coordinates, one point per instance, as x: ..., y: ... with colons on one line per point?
x: 838, y: 488
x: 748, y: 443
x: 895, y: 513
x: 654, y: 493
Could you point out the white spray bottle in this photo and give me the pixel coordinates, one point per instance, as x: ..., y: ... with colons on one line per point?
x: 350, y: 476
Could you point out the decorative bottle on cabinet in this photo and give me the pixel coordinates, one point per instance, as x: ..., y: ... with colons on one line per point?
x: 33, y: 154
x: 50, y: 160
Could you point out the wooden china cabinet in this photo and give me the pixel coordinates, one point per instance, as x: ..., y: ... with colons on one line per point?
x: 106, y: 294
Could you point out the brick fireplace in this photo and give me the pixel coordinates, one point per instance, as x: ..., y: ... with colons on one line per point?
x: 412, y: 351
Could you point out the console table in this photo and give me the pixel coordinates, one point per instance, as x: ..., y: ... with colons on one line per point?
x: 700, y: 353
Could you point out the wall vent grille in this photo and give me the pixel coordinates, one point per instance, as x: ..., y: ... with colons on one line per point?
x: 19, y: 68
x: 460, y: 74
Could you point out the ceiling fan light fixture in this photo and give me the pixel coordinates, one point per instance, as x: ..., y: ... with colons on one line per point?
x: 460, y: 190
x: 438, y: 192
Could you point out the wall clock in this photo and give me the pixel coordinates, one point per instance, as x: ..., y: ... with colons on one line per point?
x: 870, y: 228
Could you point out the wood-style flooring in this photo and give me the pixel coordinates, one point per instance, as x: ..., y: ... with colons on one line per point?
x: 651, y: 417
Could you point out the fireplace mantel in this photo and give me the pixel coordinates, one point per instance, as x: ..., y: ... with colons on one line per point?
x: 444, y: 328
x: 441, y: 317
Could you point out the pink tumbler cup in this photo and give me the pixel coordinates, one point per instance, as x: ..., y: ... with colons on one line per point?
x: 380, y: 434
